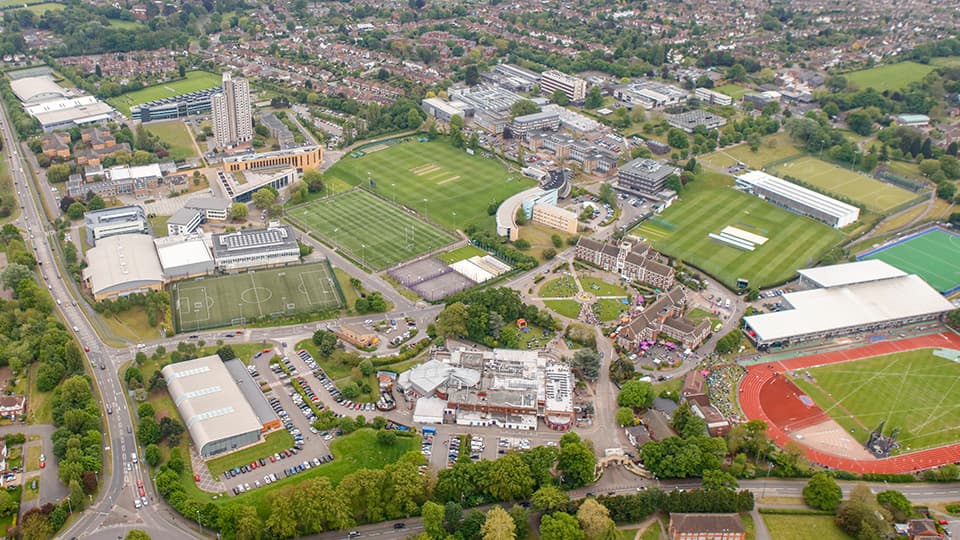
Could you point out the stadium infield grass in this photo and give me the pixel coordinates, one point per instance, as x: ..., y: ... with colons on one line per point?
x: 875, y: 195
x: 194, y: 81
x: 376, y: 232
x: 221, y: 301
x: 450, y: 179
x: 889, y: 76
x: 708, y: 204
x: 934, y: 256
x: 912, y: 390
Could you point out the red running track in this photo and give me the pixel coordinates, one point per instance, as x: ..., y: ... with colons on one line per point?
x: 765, y: 396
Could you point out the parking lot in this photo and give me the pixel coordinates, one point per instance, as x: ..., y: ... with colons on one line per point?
x: 483, y: 442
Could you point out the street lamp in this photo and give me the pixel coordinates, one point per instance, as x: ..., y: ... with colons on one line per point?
x: 200, y: 522
x: 394, y: 192
x: 454, y: 222
x: 336, y: 236
x: 363, y: 254
x: 424, y: 207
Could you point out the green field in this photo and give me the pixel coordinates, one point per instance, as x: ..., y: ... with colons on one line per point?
x: 461, y: 253
x: 564, y: 287
x: 177, y: 135
x: 567, y: 308
x: 774, y: 148
x: 889, y: 76
x: 16, y: 3
x: 40, y: 9
x: 375, y: 232
x: 232, y: 299
x: 733, y: 90
x: 195, y: 80
x: 790, y: 527
x: 912, y: 390
x: 875, y: 195
x: 451, y: 180
x: 934, y: 256
x: 707, y: 205
x: 272, y: 443
x: 599, y: 287
x: 610, y: 308
x: 125, y: 25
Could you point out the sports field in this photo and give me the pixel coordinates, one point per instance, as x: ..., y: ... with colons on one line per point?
x: 451, y: 180
x: 915, y: 391
x: 195, y: 80
x: 376, y: 232
x: 175, y: 134
x: 773, y: 148
x: 227, y: 300
x: 708, y: 205
x: 875, y: 195
x: 933, y: 255
x: 889, y: 76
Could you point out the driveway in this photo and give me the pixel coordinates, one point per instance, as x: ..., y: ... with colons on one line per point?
x: 51, y: 490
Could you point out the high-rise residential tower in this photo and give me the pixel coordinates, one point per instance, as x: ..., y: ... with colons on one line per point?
x: 232, y: 114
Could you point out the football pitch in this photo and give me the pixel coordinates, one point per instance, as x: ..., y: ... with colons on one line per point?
x: 915, y: 391
x: 194, y: 81
x: 875, y: 195
x: 457, y: 187
x: 375, y: 232
x: 889, y: 76
x: 708, y: 205
x: 241, y: 298
x: 933, y: 255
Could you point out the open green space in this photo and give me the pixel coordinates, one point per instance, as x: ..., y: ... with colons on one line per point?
x: 358, y: 450
x: 158, y: 224
x: 132, y: 324
x: 40, y: 9
x: 773, y: 148
x: 696, y: 315
x: 17, y: 3
x: 934, y: 256
x: 31, y: 459
x: 236, y: 298
x: 610, y: 308
x: 875, y: 195
x: 709, y: 204
x: 599, y: 287
x: 532, y: 337
x: 177, y: 135
x: 375, y: 232
x: 912, y: 391
x: 461, y: 253
x: 350, y: 295
x: 889, y: 76
x: 733, y: 90
x: 567, y: 308
x: 272, y: 443
x: 946, y: 61
x: 125, y: 25
x: 564, y: 287
x: 452, y: 181
x: 194, y: 81
x: 40, y: 409
x: 792, y: 527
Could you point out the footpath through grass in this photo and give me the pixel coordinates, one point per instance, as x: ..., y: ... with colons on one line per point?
x: 273, y: 443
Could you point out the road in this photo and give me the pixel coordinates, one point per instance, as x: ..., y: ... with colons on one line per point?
x: 116, y: 483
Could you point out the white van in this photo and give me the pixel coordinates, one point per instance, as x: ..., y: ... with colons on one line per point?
x: 133, y: 457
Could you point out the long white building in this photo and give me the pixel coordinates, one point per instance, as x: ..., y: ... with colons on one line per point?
x: 574, y: 87
x: 799, y: 199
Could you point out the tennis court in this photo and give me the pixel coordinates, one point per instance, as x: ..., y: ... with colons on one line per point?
x: 933, y: 254
x: 235, y: 299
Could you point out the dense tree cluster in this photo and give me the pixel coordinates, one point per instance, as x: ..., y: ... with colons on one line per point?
x: 488, y: 316
x: 77, y: 442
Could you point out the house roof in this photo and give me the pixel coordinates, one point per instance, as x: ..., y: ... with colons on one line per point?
x: 706, y: 523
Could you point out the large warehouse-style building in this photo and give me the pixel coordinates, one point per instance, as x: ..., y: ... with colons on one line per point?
x: 217, y: 412
x: 799, y: 199
x: 122, y: 265
x: 862, y: 296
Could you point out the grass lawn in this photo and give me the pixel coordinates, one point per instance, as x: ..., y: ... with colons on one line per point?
x: 8, y: 193
x: 774, y: 148
x: 39, y: 404
x: 451, y: 180
x: 194, y: 81
x: 600, y: 287
x: 901, y: 219
x: 630, y: 534
x: 159, y: 225
x: 40, y: 9
x: 350, y: 295
x: 374, y: 231
x: 610, y: 308
x: 16, y: 3
x: 461, y: 253
x: 541, y: 238
x: 333, y: 370
x: 132, y: 324
x: 125, y: 25
x: 32, y: 460
x: 889, y: 76
x: 533, y: 337
x: 564, y: 287
x: 934, y: 256
x: 917, y: 396
x: 358, y: 450
x: 947, y: 61
x: 709, y: 204
x: 733, y: 90
x: 177, y: 136
x: 567, y: 308
x: 28, y: 492
x: 696, y: 315
x: 874, y: 194
x: 787, y: 527
x: 908, y: 169
x: 273, y: 443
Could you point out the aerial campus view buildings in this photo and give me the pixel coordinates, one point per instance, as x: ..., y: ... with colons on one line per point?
x: 577, y: 191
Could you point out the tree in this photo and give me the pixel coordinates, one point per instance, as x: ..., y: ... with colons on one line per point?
x: 239, y: 211
x: 7, y: 503
x: 314, y: 180
x: 498, y: 525
x: 471, y: 75
x: 149, y: 431
x: 13, y: 274
x: 523, y: 108
x: 456, y: 121
x: 145, y: 410
x: 263, y: 198
x: 560, y: 526
x: 432, y: 514
x: 588, y: 362
x: 595, y: 521
x: 862, y: 516
x: 386, y: 437
x: 521, y: 521
x: 676, y: 138
x: 151, y: 454
x: 577, y: 464
x: 226, y: 353
x: 137, y: 534
x: 35, y: 526
x: 594, y: 98
x: 75, y: 211
x: 509, y: 478
x: 452, y: 321
x: 366, y: 367
x: 325, y: 341
x: 896, y: 503
x: 737, y: 72
x: 549, y: 498
x: 549, y: 254
x: 560, y: 98
x: 730, y: 342
x: 822, y: 492
x: 717, y: 479
x: 625, y: 417
x: 58, y: 173
x: 860, y: 122
x: 636, y: 394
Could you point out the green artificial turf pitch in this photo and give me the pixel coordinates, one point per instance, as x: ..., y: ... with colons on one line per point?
x: 933, y: 255
x: 706, y: 206
x: 451, y: 180
x: 356, y: 218
x: 194, y: 81
x: 221, y: 301
x: 914, y: 391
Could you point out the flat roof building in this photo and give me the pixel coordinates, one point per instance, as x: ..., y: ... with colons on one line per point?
x: 255, y: 248
x: 302, y: 158
x: 849, y: 298
x: 241, y: 185
x: 644, y: 177
x: 70, y: 112
x: 552, y: 80
x: 113, y: 221
x: 650, y: 94
x: 544, y: 120
x: 122, y: 265
x: 442, y: 109
x: 690, y: 120
x: 171, y: 108
x: 799, y: 199
x: 184, y: 221
x: 214, y: 409
x: 36, y: 89
x: 184, y: 256
x: 713, y: 97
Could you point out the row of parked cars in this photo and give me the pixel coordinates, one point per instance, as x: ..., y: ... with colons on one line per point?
x: 427, y: 446
x: 331, y: 387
